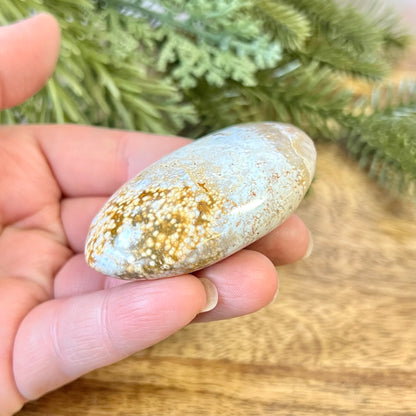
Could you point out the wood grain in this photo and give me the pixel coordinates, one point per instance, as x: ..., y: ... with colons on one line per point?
x: 340, y: 339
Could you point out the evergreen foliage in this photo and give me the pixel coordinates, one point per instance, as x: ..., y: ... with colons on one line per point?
x: 189, y: 67
x: 383, y: 140
x: 101, y: 78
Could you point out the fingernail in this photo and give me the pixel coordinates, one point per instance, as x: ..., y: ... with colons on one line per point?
x: 310, y: 247
x: 275, y: 295
x: 212, y: 294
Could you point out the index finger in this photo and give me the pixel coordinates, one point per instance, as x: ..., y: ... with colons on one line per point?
x: 93, y: 161
x: 28, y: 53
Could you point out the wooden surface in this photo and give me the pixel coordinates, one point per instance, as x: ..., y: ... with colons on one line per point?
x: 339, y: 340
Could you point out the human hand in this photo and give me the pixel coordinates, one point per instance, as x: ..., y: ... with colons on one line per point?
x: 59, y: 319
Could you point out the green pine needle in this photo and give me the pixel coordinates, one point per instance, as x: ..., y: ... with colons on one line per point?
x: 384, y: 141
x: 189, y: 67
x: 98, y: 71
x: 285, y: 22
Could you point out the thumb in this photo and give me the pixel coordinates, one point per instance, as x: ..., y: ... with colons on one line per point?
x: 28, y: 54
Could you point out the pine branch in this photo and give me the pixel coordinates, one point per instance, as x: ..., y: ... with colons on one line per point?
x: 395, y: 38
x: 351, y: 41
x: 344, y: 59
x: 382, y: 136
x: 100, y: 78
x: 211, y: 40
x: 170, y: 66
x: 341, y: 24
x: 305, y: 95
x: 284, y: 22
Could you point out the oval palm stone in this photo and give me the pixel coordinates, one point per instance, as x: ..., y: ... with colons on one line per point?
x: 203, y: 202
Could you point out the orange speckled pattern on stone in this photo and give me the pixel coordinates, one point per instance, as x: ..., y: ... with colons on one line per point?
x: 203, y: 202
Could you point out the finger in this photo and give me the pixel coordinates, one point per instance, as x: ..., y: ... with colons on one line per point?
x: 289, y: 242
x: 28, y: 53
x: 245, y: 282
x: 89, y: 161
x: 32, y: 255
x: 63, y: 339
x: 76, y: 278
x: 76, y: 217
x: 17, y: 296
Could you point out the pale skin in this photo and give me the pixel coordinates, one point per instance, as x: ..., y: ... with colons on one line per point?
x: 59, y: 319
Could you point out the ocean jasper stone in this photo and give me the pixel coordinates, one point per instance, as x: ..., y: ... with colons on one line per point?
x: 202, y: 202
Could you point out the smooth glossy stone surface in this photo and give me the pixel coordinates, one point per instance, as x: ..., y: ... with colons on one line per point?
x: 202, y: 202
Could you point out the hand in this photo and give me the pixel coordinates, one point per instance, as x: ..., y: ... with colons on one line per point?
x: 59, y: 319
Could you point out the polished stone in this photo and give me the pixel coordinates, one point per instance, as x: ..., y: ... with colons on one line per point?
x: 202, y: 202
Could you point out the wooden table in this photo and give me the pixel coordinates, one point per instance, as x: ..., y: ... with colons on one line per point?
x: 339, y: 340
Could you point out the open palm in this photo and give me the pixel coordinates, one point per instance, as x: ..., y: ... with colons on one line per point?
x: 58, y: 318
